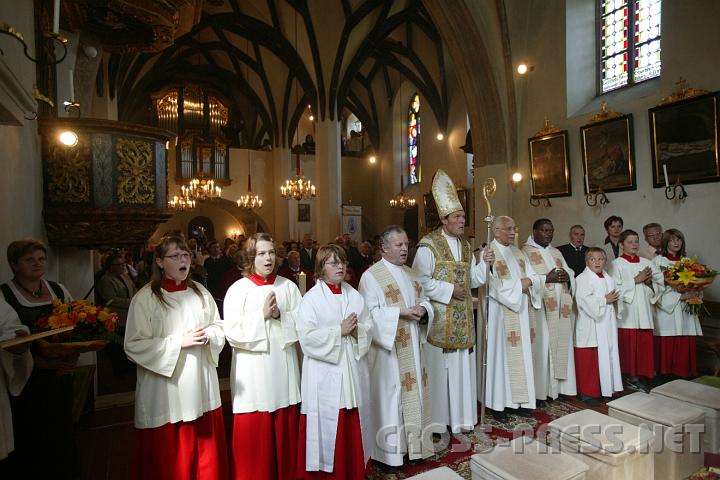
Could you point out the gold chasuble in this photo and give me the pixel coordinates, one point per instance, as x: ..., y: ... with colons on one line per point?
x: 453, y: 326
x: 513, y: 338
x: 559, y: 317
x: 415, y: 411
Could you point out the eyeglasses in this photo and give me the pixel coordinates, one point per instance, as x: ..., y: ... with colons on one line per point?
x: 336, y: 264
x: 178, y: 256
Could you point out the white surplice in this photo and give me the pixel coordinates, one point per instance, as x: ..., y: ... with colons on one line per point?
x: 545, y: 384
x: 14, y: 373
x: 174, y: 384
x: 265, y: 375
x: 509, y: 293
x: 671, y: 319
x: 335, y: 371
x: 635, y: 306
x: 390, y: 440
x: 596, y: 327
x: 452, y: 375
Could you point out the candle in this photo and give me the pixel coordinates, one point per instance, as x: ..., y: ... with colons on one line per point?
x: 667, y: 184
x: 587, y: 184
x: 302, y: 282
x: 517, y: 235
x: 72, y: 85
x: 56, y: 17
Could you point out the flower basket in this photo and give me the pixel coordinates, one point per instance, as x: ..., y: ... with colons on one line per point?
x: 688, y: 275
x: 94, y: 327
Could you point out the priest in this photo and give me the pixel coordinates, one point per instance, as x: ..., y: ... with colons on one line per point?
x: 514, y: 286
x: 398, y: 377
x: 447, y: 270
x: 553, y: 359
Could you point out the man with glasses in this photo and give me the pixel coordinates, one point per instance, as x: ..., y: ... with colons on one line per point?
x: 514, y: 286
x: 653, y: 241
x: 447, y: 270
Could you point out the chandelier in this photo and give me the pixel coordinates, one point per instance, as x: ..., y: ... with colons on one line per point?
x: 249, y: 200
x: 181, y: 204
x: 401, y: 201
x: 297, y: 188
x: 200, y: 189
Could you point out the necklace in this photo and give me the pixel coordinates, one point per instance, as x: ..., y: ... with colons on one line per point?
x: 35, y: 293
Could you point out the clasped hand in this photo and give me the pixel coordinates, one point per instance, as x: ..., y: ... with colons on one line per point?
x: 557, y: 275
x: 412, y: 314
x: 270, y: 308
x: 194, y: 337
x: 349, y: 325
x: 645, y: 276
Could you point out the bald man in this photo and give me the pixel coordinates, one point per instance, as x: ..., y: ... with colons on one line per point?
x: 514, y: 286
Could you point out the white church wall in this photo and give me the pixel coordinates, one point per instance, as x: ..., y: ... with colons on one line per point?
x: 689, y: 43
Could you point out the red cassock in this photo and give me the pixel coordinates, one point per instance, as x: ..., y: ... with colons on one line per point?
x: 349, y: 460
x: 588, y: 371
x: 636, y: 348
x: 194, y: 450
x: 264, y: 444
x: 676, y: 355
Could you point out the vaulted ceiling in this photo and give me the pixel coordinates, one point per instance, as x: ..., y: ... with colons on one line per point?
x: 270, y: 59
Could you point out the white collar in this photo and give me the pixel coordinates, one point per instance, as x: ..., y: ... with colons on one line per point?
x: 501, y: 247
x: 531, y: 241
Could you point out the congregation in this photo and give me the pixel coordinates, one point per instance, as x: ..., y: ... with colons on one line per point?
x: 371, y: 354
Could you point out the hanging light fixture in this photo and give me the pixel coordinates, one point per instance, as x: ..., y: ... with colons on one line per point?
x: 201, y: 189
x: 401, y: 201
x: 249, y: 200
x: 298, y: 188
x: 181, y: 204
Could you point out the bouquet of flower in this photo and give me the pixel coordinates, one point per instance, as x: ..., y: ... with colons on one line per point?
x: 687, y: 275
x: 94, y: 327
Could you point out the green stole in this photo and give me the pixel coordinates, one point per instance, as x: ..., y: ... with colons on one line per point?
x: 453, y: 326
x: 415, y: 411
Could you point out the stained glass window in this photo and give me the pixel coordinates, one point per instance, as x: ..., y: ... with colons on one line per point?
x: 414, y: 172
x: 629, y: 42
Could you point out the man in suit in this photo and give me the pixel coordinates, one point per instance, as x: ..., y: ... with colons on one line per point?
x: 216, y: 266
x: 307, y: 253
x: 574, y: 252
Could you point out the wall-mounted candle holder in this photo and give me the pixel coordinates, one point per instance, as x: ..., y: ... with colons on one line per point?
x: 9, y: 30
x: 599, y: 197
x: 671, y: 192
x: 540, y: 200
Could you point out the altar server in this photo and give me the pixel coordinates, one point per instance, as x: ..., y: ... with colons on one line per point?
x: 634, y: 277
x: 174, y: 334
x: 597, y: 361
x: 335, y: 334
x: 260, y: 315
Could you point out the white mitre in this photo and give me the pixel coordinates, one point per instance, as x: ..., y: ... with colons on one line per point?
x: 445, y: 194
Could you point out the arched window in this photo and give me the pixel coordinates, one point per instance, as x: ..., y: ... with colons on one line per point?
x: 629, y: 42
x: 414, y: 171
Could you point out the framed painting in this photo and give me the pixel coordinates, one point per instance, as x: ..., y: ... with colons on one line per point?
x: 608, y: 155
x: 303, y: 213
x: 432, y: 219
x: 550, y: 164
x: 684, y: 141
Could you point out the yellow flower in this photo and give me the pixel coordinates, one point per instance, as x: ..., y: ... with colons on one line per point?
x: 686, y: 276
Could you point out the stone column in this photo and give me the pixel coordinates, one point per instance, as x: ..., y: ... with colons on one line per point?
x: 328, y: 175
x: 280, y: 172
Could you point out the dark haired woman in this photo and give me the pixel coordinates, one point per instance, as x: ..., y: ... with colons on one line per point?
x: 334, y: 329
x: 260, y: 314
x: 676, y: 330
x: 174, y: 334
x: 46, y: 402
